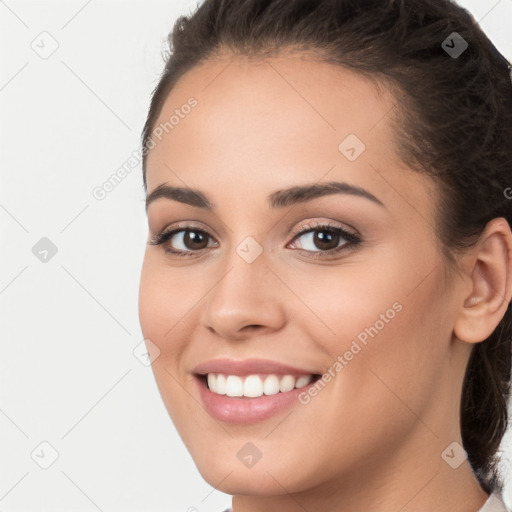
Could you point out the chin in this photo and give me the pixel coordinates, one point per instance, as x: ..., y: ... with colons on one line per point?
x: 260, y: 480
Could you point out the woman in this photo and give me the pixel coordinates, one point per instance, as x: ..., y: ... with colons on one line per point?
x: 328, y: 273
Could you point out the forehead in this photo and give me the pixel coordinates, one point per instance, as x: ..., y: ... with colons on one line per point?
x: 277, y: 101
x: 275, y: 121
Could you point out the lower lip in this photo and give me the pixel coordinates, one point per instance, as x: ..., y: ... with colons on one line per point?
x: 246, y: 410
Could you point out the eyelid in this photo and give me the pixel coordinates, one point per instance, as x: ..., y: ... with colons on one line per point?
x: 305, y: 227
x: 184, y: 225
x: 301, y: 228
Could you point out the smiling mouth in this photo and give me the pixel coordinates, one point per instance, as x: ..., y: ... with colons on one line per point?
x: 256, y: 385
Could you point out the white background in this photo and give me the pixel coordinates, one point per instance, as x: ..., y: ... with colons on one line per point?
x: 69, y: 326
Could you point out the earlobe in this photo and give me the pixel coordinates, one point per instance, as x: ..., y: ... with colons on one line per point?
x: 491, y: 284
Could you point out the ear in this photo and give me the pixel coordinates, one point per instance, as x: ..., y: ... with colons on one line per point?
x: 489, y: 273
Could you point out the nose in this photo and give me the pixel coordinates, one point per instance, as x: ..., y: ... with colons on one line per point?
x: 246, y: 299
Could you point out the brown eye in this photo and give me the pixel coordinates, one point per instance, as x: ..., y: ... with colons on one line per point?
x: 184, y: 241
x: 187, y: 239
x: 195, y: 240
x: 321, y: 239
x: 326, y: 240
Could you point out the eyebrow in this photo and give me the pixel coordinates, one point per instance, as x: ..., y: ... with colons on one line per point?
x: 278, y: 199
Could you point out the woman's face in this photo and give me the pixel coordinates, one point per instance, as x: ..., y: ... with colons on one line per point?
x: 267, y: 287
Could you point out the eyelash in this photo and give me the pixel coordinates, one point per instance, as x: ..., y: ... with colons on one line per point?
x: 352, y: 240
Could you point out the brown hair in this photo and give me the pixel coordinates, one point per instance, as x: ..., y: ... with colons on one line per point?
x: 455, y: 114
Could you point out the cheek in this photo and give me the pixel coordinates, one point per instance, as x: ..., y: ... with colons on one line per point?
x: 166, y: 300
x: 404, y: 340
x: 391, y: 343
x: 376, y: 320
x: 168, y: 306
x: 166, y: 297
x: 340, y: 305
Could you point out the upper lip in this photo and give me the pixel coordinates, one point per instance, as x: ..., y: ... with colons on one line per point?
x: 248, y: 367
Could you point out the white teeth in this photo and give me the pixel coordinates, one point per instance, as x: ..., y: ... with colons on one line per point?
x: 271, y: 385
x: 234, y: 386
x: 211, y: 381
x: 254, y: 386
x: 301, y: 381
x: 287, y: 383
x: 220, y: 384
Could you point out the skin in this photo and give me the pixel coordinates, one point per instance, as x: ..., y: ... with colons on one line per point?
x: 373, y: 437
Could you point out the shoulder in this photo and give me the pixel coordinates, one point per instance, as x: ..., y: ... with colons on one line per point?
x: 494, y: 504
